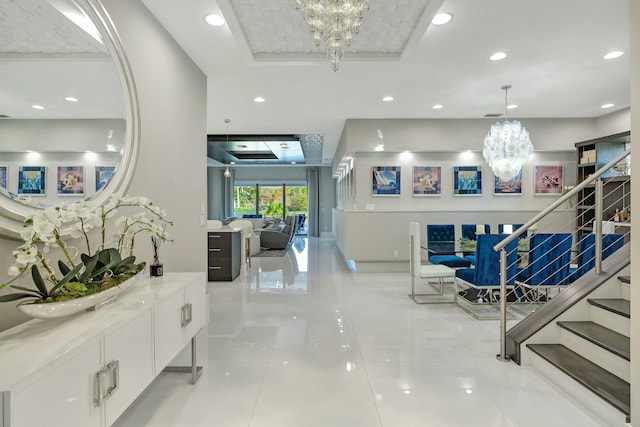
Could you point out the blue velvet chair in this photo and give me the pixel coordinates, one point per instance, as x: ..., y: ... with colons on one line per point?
x: 549, y: 261
x: 515, y: 227
x: 441, y: 243
x: 587, y: 251
x: 469, y: 232
x: 486, y: 274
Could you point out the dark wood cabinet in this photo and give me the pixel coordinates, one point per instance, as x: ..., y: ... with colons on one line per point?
x: 591, y: 156
x: 224, y: 255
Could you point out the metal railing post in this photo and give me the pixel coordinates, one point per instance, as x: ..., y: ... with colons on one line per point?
x: 597, y: 224
x: 503, y: 306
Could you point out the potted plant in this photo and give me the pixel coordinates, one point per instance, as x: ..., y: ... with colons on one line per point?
x: 98, y: 269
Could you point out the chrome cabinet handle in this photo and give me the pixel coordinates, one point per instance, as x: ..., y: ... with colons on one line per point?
x: 111, y: 372
x: 187, y: 314
x: 215, y: 268
x: 99, y: 391
x: 114, y: 369
x: 215, y: 250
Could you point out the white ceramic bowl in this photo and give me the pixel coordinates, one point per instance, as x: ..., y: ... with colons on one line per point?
x: 52, y: 310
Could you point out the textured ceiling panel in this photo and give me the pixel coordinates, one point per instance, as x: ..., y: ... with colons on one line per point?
x: 36, y: 27
x: 276, y: 27
x: 312, y: 148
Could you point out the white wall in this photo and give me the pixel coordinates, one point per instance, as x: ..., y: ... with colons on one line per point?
x: 171, y: 168
x: 365, y: 200
x: 370, y: 228
x: 420, y: 135
x: 635, y: 204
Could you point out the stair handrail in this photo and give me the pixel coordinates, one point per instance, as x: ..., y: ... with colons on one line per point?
x: 500, y: 246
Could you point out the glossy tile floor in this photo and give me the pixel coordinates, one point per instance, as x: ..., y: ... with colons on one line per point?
x: 302, y: 341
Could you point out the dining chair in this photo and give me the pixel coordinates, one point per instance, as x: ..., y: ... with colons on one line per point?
x: 548, y: 262
x: 470, y: 231
x: 485, y: 277
x: 510, y: 228
x: 587, y: 251
x: 426, y: 271
x: 441, y: 243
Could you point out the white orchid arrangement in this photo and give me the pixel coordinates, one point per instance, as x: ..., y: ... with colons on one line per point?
x: 95, y: 271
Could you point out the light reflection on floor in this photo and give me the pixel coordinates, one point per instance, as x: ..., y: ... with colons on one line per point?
x: 304, y: 341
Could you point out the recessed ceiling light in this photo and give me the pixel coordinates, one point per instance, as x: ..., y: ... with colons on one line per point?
x: 70, y: 99
x: 259, y: 99
x: 512, y: 106
x: 437, y: 106
x: 388, y: 98
x: 232, y: 163
x: 293, y: 163
x: 441, y: 18
x: 614, y: 54
x: 498, y: 56
x: 214, y: 20
x: 37, y: 107
x: 605, y: 106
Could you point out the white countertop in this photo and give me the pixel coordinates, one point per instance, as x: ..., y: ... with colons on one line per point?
x: 32, y: 345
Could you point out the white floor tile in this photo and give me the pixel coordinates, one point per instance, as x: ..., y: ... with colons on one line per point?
x: 328, y: 347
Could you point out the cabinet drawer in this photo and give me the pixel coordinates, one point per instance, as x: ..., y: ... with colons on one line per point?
x: 220, y: 270
x: 219, y: 242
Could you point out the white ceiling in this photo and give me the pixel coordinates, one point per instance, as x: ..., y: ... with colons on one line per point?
x: 555, y: 63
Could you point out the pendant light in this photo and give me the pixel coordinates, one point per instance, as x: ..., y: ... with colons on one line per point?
x: 227, y: 172
x: 507, y: 146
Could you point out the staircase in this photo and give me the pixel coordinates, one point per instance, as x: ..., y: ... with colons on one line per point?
x: 593, y: 351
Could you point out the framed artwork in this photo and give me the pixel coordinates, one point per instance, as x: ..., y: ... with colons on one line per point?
x: 547, y: 180
x: 467, y: 181
x: 31, y: 180
x: 70, y: 180
x: 508, y: 188
x: 385, y: 180
x: 3, y: 177
x: 103, y: 176
x: 427, y: 180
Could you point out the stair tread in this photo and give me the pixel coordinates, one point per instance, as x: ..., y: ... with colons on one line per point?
x: 624, y: 279
x: 615, y: 305
x: 612, y: 341
x: 603, y: 383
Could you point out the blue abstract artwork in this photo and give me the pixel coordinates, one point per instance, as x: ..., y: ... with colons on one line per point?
x: 385, y: 180
x: 467, y: 181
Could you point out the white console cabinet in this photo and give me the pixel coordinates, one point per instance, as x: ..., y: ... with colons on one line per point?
x: 85, y: 370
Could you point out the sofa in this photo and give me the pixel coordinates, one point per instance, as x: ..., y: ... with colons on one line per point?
x: 276, y: 239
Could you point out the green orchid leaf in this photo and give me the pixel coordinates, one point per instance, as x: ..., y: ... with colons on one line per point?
x: 90, y: 266
x: 129, y: 260
x: 84, y: 258
x: 33, y: 291
x: 17, y: 296
x: 38, y: 281
x: 64, y: 268
x: 66, y: 279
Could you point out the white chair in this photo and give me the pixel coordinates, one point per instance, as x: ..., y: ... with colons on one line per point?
x: 214, y: 224
x: 250, y: 242
x: 425, y: 271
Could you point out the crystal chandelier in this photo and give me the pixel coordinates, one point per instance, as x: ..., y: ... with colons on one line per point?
x: 507, y: 146
x: 333, y: 21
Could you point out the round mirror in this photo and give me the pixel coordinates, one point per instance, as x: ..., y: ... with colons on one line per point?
x: 68, y: 110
